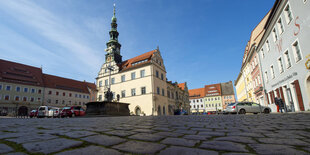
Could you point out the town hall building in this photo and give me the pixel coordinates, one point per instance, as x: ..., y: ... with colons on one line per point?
x: 140, y: 81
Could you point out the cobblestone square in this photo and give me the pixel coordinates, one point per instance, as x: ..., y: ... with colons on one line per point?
x: 209, y: 134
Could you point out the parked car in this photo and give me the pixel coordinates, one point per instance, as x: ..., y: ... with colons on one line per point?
x: 54, y: 112
x: 33, y: 113
x: 180, y: 112
x: 246, y: 107
x: 72, y: 111
x: 47, y: 111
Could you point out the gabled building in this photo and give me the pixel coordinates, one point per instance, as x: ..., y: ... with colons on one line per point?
x: 140, y: 81
x: 196, y: 98
x: 228, y: 93
x: 26, y: 87
x: 213, y: 98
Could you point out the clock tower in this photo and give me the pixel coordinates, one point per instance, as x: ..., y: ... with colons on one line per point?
x: 113, y: 46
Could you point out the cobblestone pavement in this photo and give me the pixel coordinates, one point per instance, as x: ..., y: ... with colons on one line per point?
x: 216, y: 134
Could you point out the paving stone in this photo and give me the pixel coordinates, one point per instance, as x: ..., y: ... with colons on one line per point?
x: 143, y: 130
x: 224, y: 146
x: 236, y: 139
x: 186, y: 151
x: 163, y: 129
x: 78, y: 134
x: 211, y: 133
x: 104, y: 140
x: 91, y: 150
x: 169, y: 134
x: 282, y: 135
x: 196, y: 137
x: 237, y: 154
x: 275, y: 149
x: 4, y: 148
x: 201, y: 129
x: 283, y: 141
x: 138, y: 147
x: 121, y: 133
x: 180, y: 141
x: 50, y: 146
x: 16, y: 153
x: 32, y: 138
x: 245, y: 134
x: 307, y: 148
x: 147, y: 137
x: 190, y: 132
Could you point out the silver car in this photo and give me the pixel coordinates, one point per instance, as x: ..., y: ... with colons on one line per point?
x: 246, y: 107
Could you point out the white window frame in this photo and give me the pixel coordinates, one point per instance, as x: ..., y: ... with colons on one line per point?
x: 106, y: 82
x: 280, y: 26
x: 25, y: 89
x: 33, y: 89
x: 295, y: 52
x: 280, y: 64
x: 142, y: 73
x: 8, y: 86
x: 26, y: 98
x: 113, y: 80
x: 267, y: 45
x: 17, y: 87
x: 272, y: 73
x: 287, y: 56
x: 266, y: 76
x: 6, y: 96
x: 123, y: 92
x: 274, y: 34
x: 123, y: 78
x: 286, y: 13
x: 15, y: 98
x: 263, y: 53
x: 133, y: 92
x: 133, y: 75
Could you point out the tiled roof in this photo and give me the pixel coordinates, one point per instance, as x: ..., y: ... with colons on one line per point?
x: 56, y: 82
x: 213, y: 90
x: 19, y: 73
x: 181, y: 85
x: 91, y: 86
x: 196, y: 93
x: 137, y: 61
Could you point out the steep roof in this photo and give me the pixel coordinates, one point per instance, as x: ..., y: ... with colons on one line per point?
x: 19, y: 73
x: 196, y: 93
x: 213, y: 90
x: 57, y: 82
x: 227, y: 88
x: 137, y: 61
x: 181, y: 85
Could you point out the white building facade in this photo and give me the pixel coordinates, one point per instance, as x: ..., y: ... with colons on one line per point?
x: 284, y: 53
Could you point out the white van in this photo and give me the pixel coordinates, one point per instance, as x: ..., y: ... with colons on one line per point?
x: 47, y: 111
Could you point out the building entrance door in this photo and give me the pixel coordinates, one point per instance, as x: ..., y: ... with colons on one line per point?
x: 290, y: 100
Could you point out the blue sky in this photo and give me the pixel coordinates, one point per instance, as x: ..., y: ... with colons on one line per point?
x: 202, y: 41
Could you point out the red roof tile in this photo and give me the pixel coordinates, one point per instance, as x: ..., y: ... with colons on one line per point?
x: 56, y: 82
x: 127, y: 64
x: 181, y: 85
x: 19, y: 73
x: 196, y: 93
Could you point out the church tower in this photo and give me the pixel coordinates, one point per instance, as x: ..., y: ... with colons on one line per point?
x: 113, y: 46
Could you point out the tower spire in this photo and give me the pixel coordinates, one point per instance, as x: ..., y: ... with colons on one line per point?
x: 113, y: 46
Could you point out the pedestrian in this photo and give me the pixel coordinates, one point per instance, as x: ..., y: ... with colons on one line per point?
x: 276, y: 100
x: 281, y: 105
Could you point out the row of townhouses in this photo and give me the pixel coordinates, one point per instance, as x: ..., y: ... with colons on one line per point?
x: 140, y: 81
x: 23, y: 86
x: 276, y: 61
x: 211, y: 98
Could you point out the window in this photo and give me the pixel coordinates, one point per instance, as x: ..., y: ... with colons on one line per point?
x: 8, y: 88
x: 113, y: 80
x: 142, y: 73
x: 272, y: 71
x: 162, y: 76
x: 87, y: 97
x: 39, y: 99
x: 100, y: 83
x: 16, y: 98
x: 280, y: 65
x: 63, y: 94
x: 274, y: 34
x: 280, y: 26
x: 263, y: 53
x: 267, y: 45
x: 133, y: 92
x: 31, y: 99
x: 76, y: 95
x: 7, y: 97
x: 201, y: 106
x: 100, y: 98
x: 0, y: 87
x: 39, y: 91
x: 200, y: 100
x: 63, y: 102
x: 157, y: 74
x: 305, y: 1
x: 33, y: 90
x: 57, y: 93
x: 123, y: 93
x: 266, y: 76
x: 168, y: 93
x: 18, y: 89
x: 194, y: 106
x: 172, y: 95
x: 84, y: 96
x: 158, y: 90
x: 70, y: 95
x: 287, y: 60
x: 80, y: 96
x: 123, y: 78
x: 143, y: 90
x: 133, y: 75
x: 24, y: 98
x: 25, y: 90
x: 106, y: 82
x: 288, y: 14
x: 255, y: 61
x: 49, y: 92
x: 163, y: 92
x: 297, y: 52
